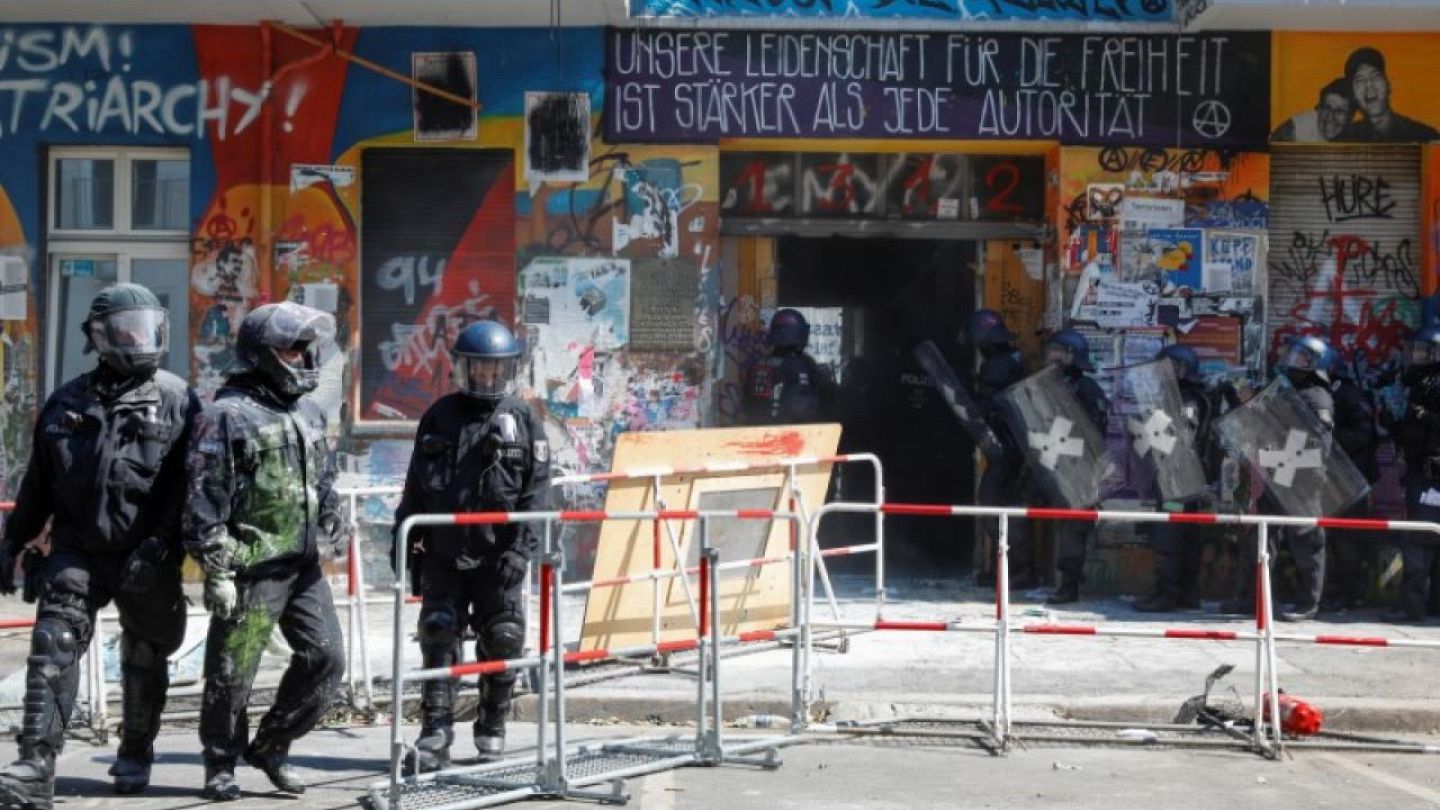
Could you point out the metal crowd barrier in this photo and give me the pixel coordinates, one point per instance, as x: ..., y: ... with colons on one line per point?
x: 1264, y: 636
x: 558, y: 770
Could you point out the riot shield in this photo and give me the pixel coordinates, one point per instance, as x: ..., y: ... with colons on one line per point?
x: 1283, y: 440
x: 928, y: 355
x: 1161, y: 432
x: 1066, y: 451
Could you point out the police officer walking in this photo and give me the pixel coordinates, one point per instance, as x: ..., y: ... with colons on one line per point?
x: 262, y: 500
x: 1070, y: 350
x: 108, y: 454
x: 1179, y: 550
x: 1420, y: 439
x: 479, y: 449
x: 1003, y: 481
x: 787, y: 386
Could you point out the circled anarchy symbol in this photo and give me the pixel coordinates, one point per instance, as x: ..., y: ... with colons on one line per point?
x: 1211, y: 119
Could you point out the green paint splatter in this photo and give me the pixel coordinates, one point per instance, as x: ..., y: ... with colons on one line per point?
x: 246, y: 641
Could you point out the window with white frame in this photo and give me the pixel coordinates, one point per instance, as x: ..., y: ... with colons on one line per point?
x: 115, y: 215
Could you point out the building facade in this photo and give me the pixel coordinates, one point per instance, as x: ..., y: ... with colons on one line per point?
x: 638, y: 197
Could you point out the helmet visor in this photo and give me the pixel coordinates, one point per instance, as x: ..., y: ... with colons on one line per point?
x: 484, y: 377
x: 1300, y: 358
x: 1422, y: 353
x: 297, y: 327
x: 131, y: 333
x: 1059, y: 355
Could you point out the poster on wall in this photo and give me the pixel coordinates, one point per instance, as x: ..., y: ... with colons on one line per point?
x: 575, y: 313
x: 1190, y: 90
x: 440, y: 119
x: 557, y: 137
x: 1179, y: 255
x: 1242, y: 252
x: 1355, y: 88
x: 1216, y: 340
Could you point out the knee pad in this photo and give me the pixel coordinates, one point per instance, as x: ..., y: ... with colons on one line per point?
x: 439, y: 626
x: 55, y: 643
x: 503, y: 638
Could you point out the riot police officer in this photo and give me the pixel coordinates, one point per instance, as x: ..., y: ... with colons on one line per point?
x: 108, y: 453
x: 478, y: 449
x: 1358, y: 435
x: 1070, y: 350
x: 1420, y: 439
x: 787, y: 386
x: 1178, y: 547
x: 1303, y: 363
x: 1003, y: 481
x: 261, y: 504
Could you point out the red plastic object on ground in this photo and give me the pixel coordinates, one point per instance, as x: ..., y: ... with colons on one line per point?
x: 1297, y: 718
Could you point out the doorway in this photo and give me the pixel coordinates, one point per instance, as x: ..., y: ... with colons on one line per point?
x: 894, y: 294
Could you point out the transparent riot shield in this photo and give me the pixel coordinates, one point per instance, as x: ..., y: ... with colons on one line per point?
x: 928, y: 355
x: 1283, y: 440
x: 1065, y: 450
x: 1161, y: 432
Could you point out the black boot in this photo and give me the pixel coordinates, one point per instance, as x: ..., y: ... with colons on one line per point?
x: 490, y: 718
x: 132, y: 768
x: 220, y: 785
x: 1067, y: 593
x: 270, y: 757
x: 143, y: 700
x: 28, y: 784
x: 437, y: 709
x: 1160, y: 601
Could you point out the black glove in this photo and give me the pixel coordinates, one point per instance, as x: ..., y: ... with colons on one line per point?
x: 144, y: 567
x: 9, y: 554
x: 991, y: 447
x: 511, y: 566
x: 32, y: 562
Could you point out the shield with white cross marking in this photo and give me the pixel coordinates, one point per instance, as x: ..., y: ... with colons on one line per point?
x: 1283, y: 440
x: 1160, y: 432
x: 1065, y: 450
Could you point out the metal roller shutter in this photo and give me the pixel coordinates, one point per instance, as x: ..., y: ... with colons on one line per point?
x: 1345, y: 249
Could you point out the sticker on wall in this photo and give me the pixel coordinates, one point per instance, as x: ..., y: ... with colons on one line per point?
x: 309, y: 174
x: 557, y: 137
x: 440, y: 119
x: 1103, y: 201
x: 14, y: 283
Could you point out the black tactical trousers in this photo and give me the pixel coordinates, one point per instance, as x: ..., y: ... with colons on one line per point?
x: 1072, y: 539
x: 1353, y: 552
x: 1179, y: 551
x: 1419, y: 553
x: 1003, y: 485
x: 152, y: 627
x: 1307, y: 549
x: 483, y: 598
x: 300, y: 602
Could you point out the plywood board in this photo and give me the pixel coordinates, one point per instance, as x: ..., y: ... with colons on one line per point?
x: 750, y: 599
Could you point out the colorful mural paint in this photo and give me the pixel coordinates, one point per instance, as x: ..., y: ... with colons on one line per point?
x: 1354, y: 88
x: 954, y: 10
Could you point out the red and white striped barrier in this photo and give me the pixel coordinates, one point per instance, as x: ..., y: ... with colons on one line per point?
x: 1263, y: 634
x: 717, y: 468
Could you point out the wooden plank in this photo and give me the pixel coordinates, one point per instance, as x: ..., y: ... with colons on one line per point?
x: 758, y: 599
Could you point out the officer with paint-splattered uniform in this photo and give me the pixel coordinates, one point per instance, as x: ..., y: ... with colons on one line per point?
x: 479, y: 449
x: 261, y: 505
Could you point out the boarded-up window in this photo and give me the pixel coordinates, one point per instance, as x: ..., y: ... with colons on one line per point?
x: 437, y: 253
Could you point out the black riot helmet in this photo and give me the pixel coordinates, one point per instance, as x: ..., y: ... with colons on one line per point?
x: 128, y: 328
x: 788, y: 330
x: 484, y: 357
x: 1069, y: 349
x: 1185, y: 360
x: 988, y: 330
x: 285, y: 344
x: 1305, y: 358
